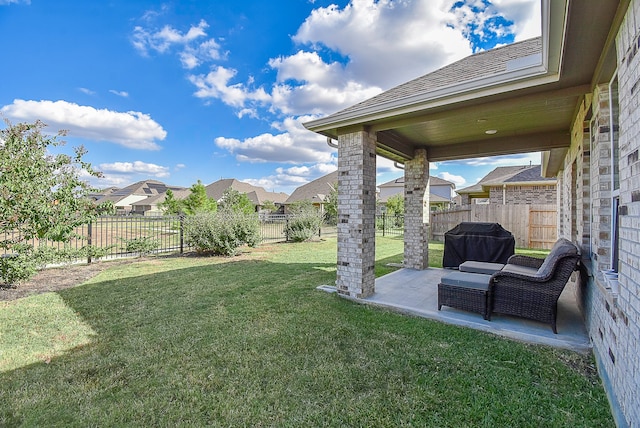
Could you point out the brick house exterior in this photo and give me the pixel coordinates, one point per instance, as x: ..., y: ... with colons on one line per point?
x: 516, y: 185
x: 572, y: 94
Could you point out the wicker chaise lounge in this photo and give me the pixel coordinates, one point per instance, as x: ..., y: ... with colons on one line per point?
x: 526, y: 287
x: 529, y: 287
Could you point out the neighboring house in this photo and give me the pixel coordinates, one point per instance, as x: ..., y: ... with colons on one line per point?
x: 315, y: 191
x: 151, y: 206
x: 123, y: 198
x: 257, y: 195
x: 572, y: 94
x: 512, y: 185
x: 441, y: 192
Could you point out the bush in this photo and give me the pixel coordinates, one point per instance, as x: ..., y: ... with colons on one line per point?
x: 24, y: 261
x: 143, y: 245
x: 221, y: 233
x: 303, y: 225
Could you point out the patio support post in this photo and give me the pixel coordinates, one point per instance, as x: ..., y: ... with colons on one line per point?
x: 356, y: 213
x: 416, y: 211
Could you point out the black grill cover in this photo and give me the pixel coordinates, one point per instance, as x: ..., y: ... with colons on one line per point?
x: 482, y: 242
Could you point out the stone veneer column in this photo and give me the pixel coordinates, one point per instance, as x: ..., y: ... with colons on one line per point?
x: 416, y: 211
x: 356, y: 214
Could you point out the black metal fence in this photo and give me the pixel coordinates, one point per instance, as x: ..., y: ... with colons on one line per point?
x: 113, y: 235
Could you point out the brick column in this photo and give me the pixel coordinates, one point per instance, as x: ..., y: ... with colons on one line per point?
x: 356, y: 214
x: 416, y: 211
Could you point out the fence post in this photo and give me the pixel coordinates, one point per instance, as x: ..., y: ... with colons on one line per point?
x: 89, y: 233
x: 384, y: 223
x: 286, y: 228
x: 181, y: 220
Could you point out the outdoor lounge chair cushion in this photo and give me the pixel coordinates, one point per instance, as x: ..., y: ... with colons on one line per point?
x: 522, y: 270
x: 486, y: 268
x: 476, y: 281
x: 561, y: 248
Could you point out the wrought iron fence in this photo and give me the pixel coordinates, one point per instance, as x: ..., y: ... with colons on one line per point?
x: 112, y: 235
x: 389, y: 225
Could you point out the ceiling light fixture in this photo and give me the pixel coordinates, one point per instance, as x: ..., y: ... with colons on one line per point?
x: 490, y: 131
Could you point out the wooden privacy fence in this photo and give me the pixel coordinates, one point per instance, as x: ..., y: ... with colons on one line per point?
x: 533, y: 226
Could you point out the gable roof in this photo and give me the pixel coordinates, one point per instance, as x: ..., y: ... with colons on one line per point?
x: 161, y: 197
x: 510, y: 176
x: 524, y: 93
x: 257, y: 195
x: 472, y: 68
x: 145, y: 188
x: 315, y: 190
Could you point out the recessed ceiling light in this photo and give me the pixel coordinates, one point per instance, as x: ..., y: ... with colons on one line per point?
x: 481, y: 120
x: 490, y: 131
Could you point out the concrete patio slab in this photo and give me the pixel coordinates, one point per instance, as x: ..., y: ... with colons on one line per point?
x: 416, y: 292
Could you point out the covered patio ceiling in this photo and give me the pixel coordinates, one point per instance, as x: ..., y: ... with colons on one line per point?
x: 516, y: 99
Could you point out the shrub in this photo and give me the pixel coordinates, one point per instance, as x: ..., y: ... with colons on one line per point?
x: 24, y: 260
x: 303, y: 225
x: 143, y: 245
x: 221, y: 233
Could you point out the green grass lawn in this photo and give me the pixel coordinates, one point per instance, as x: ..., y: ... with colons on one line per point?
x: 249, y: 341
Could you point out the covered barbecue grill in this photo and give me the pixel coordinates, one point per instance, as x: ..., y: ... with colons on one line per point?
x: 482, y: 242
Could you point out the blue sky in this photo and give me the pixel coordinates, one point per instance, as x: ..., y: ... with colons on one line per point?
x: 181, y: 91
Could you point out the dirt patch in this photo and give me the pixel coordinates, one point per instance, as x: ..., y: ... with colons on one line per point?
x: 55, y: 279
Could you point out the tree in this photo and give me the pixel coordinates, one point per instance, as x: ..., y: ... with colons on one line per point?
x: 331, y: 205
x: 171, y: 205
x: 235, y: 201
x: 41, y: 194
x: 198, y: 201
x: 395, y: 205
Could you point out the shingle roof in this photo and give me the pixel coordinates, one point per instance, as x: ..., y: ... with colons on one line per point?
x: 256, y: 194
x: 315, y: 190
x: 158, y: 199
x: 475, y: 67
x: 143, y: 188
x: 508, y: 174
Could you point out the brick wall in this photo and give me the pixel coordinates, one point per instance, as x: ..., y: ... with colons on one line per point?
x: 356, y: 214
x: 416, y: 208
x: 612, y: 314
x: 523, y: 195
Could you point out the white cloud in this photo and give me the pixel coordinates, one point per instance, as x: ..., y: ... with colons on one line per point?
x: 525, y: 14
x: 458, y: 180
x: 131, y: 129
x: 294, y: 145
x: 216, y: 84
x: 122, y: 94
x: 191, y: 51
x: 137, y: 167
x: 8, y: 2
x: 386, y: 42
x: 308, y: 85
x: 288, y: 179
x: 506, y: 160
x: 86, y: 91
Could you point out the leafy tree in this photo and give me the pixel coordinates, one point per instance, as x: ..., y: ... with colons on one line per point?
x: 171, y: 205
x: 395, y: 205
x: 232, y: 200
x: 331, y: 205
x: 269, y: 206
x: 41, y: 194
x: 198, y: 201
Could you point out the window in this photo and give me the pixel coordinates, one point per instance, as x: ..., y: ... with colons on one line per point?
x: 614, y: 116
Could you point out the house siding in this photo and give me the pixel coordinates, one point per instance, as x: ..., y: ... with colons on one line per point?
x: 612, y: 316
